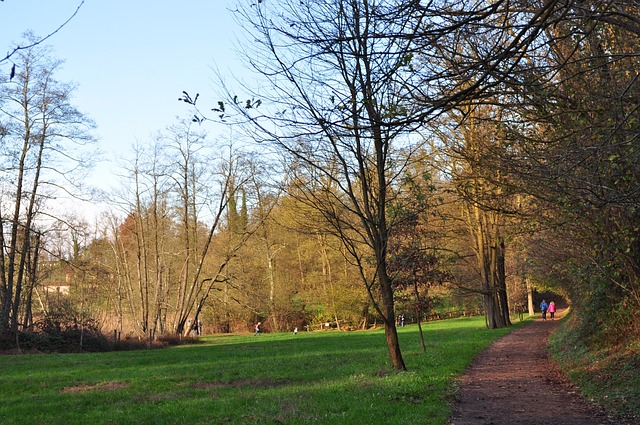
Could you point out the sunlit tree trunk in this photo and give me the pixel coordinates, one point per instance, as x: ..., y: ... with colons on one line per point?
x: 530, y: 306
x: 327, y: 279
x: 141, y: 265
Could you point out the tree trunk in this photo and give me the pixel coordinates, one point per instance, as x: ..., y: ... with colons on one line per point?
x: 390, y: 330
x: 501, y: 283
x: 417, y: 310
x: 530, y: 297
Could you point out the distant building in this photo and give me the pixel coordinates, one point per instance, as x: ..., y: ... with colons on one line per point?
x: 58, y: 288
x: 55, y: 285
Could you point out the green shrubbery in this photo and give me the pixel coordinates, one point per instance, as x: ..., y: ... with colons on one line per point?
x: 607, y: 371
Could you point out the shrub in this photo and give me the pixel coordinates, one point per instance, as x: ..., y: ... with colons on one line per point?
x: 64, y: 331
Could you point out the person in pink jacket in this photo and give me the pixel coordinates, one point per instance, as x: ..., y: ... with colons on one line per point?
x: 552, y: 309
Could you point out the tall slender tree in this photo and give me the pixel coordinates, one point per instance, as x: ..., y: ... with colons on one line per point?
x: 44, y: 137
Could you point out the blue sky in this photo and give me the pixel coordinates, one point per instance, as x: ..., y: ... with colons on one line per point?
x: 130, y: 58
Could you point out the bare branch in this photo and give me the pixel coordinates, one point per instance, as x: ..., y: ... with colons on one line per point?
x: 39, y: 41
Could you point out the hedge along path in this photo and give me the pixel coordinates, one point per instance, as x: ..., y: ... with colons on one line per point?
x: 514, y: 382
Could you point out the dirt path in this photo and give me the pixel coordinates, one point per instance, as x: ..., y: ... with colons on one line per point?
x: 514, y: 383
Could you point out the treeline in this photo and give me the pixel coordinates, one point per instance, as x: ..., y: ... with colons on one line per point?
x: 394, y: 156
x: 231, y: 250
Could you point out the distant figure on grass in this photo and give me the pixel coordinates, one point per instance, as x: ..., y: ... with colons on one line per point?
x: 544, y: 306
x: 295, y: 331
x: 552, y: 309
x: 257, y: 327
x: 193, y: 328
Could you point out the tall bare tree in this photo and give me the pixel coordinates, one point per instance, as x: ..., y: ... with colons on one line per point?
x: 43, y: 137
x: 474, y: 151
x: 338, y: 105
x: 143, y: 236
x: 235, y: 175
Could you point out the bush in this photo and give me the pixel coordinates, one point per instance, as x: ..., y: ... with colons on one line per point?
x: 64, y: 331
x: 135, y: 343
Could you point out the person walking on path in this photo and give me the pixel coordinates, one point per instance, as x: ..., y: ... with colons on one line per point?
x: 257, y: 328
x: 543, y: 307
x: 552, y: 309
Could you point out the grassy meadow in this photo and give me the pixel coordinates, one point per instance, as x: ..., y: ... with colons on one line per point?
x: 314, y: 377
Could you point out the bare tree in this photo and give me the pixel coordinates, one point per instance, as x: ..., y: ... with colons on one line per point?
x: 473, y: 152
x: 188, y: 171
x: 338, y: 106
x: 140, y: 241
x: 233, y: 174
x: 44, y: 140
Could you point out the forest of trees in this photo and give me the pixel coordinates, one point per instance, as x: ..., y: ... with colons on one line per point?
x: 397, y: 156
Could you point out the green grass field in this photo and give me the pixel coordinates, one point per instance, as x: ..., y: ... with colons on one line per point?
x: 317, y: 377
